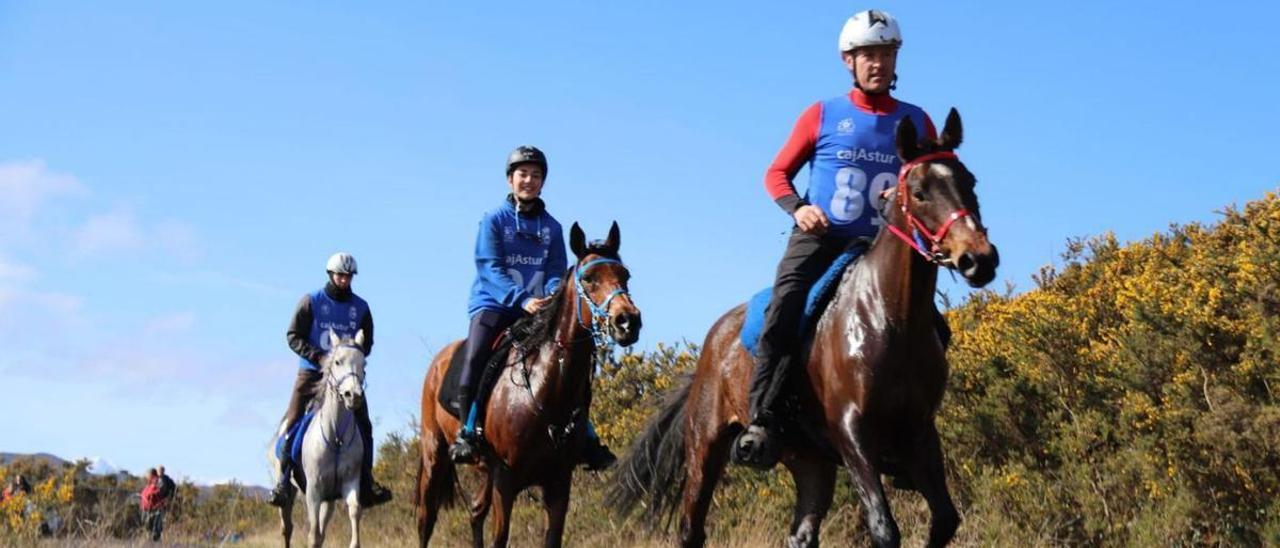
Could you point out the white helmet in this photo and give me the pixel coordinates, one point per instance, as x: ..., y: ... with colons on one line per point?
x: 870, y: 28
x: 341, y: 263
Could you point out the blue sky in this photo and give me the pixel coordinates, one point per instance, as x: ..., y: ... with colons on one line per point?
x: 172, y: 177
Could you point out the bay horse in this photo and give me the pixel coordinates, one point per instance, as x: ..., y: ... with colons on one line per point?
x: 870, y: 385
x: 332, y: 451
x: 536, y: 414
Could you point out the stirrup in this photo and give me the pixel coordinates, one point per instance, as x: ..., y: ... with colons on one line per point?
x: 465, y: 449
x: 280, y: 494
x: 755, y: 448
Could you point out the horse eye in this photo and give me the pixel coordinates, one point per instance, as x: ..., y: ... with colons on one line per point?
x: 919, y: 195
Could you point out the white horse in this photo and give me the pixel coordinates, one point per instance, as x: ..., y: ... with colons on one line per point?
x: 332, y: 452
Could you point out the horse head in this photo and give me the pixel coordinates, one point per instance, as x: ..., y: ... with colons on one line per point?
x: 936, y: 190
x: 343, y: 368
x: 600, y: 281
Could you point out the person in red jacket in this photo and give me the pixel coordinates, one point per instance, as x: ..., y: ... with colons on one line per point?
x: 150, y: 502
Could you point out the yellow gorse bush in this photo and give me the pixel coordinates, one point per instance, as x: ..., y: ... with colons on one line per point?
x: 1132, y: 375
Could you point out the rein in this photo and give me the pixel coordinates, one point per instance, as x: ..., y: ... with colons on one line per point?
x: 920, y: 234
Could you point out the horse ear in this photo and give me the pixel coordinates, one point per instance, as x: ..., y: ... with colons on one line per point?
x: 359, y: 340
x: 334, y: 341
x: 952, y: 131
x: 615, y: 239
x: 577, y: 241
x: 907, y: 140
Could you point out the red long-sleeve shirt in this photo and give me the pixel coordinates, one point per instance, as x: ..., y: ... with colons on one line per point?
x: 804, y: 137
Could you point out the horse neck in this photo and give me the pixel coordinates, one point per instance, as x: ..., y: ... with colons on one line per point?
x: 904, y: 281
x: 567, y: 372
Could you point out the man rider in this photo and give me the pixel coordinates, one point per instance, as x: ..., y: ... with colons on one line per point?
x: 849, y: 142
x: 334, y: 307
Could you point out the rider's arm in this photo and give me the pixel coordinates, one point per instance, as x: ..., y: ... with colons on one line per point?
x: 797, y: 150
x: 299, y: 334
x: 366, y: 325
x: 556, y: 263
x: 497, y: 282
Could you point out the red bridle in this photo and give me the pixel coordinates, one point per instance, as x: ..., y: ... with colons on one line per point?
x: 934, y: 254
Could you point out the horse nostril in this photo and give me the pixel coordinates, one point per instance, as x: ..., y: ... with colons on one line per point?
x: 966, y: 263
x: 622, y: 322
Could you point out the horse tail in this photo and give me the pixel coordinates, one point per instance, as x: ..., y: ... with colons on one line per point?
x: 652, y: 473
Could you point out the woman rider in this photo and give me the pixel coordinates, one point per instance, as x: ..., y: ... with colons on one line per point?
x: 520, y: 261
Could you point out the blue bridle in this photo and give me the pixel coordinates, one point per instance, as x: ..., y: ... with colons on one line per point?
x: 599, y: 312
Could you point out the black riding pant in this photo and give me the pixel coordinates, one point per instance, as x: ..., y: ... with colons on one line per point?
x: 305, y: 388
x: 807, y: 257
x: 486, y: 325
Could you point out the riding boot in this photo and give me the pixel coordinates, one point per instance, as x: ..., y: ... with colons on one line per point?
x: 595, y: 454
x: 371, y: 493
x: 755, y: 446
x: 465, y: 448
x: 283, y: 489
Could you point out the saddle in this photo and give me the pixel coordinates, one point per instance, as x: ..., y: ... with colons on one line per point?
x: 819, y: 295
x: 453, y: 376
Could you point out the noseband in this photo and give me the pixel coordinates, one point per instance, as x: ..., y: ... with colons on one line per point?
x: 599, y: 312
x: 920, y: 234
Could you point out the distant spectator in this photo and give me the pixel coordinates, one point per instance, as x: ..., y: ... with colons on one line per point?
x: 150, y: 502
x: 18, y: 485
x: 167, y: 487
x: 164, y: 496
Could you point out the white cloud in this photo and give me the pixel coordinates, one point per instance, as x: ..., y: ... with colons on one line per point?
x: 26, y: 186
x: 103, y: 233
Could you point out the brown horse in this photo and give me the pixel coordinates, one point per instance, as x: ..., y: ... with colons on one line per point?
x: 536, y: 414
x: 871, y: 382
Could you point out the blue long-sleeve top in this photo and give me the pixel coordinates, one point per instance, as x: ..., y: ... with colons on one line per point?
x: 519, y: 256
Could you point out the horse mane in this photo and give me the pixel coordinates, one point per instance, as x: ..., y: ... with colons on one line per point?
x: 531, y: 332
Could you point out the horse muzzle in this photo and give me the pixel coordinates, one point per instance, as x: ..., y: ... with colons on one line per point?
x: 978, y: 267
x: 625, y: 328
x: 352, y: 400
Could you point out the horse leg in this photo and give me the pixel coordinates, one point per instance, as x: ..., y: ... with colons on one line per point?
x: 315, y: 511
x: 705, y: 463
x: 858, y: 454
x: 504, y: 490
x: 480, y: 510
x: 432, y: 473
x: 555, y: 499
x: 815, y: 480
x: 286, y: 520
x: 354, y: 509
x: 930, y: 478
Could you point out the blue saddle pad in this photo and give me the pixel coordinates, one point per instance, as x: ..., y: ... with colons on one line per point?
x: 295, y: 434
x: 819, y: 294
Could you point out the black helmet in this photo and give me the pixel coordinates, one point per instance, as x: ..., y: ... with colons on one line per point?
x: 525, y: 154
